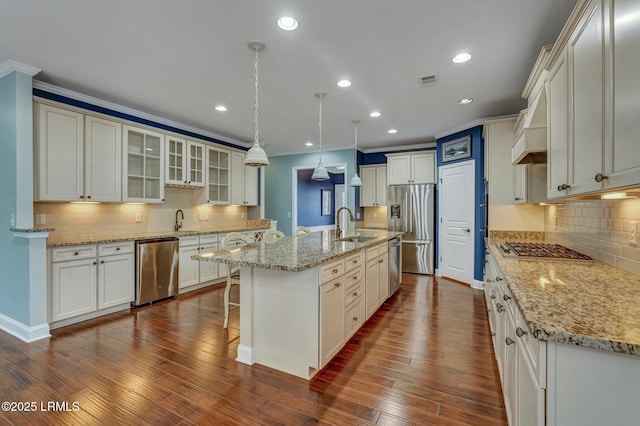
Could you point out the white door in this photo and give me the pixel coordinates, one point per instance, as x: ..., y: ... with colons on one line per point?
x: 341, y: 201
x: 456, y: 201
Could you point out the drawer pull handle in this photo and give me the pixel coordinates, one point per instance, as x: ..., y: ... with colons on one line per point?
x: 75, y: 253
x: 493, y: 296
x: 505, y: 297
x: 334, y: 270
x: 520, y: 332
x: 509, y: 341
x: 337, y: 284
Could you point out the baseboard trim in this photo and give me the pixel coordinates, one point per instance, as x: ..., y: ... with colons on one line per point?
x: 478, y: 285
x: 23, y: 332
x: 246, y: 355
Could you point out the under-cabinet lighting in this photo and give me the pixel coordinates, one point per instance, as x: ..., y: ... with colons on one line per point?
x: 135, y: 204
x: 84, y: 202
x: 617, y: 196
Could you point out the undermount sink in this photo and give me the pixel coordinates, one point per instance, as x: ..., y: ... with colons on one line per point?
x: 355, y: 239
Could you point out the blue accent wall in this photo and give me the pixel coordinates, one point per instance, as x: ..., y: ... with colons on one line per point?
x: 279, y: 177
x: 309, y: 201
x: 477, y: 153
x: 15, y: 108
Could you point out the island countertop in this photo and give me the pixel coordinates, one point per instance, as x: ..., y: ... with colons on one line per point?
x: 293, y: 253
x: 593, y: 305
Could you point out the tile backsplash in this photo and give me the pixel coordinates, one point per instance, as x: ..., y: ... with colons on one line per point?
x: 598, y: 228
x: 94, y: 219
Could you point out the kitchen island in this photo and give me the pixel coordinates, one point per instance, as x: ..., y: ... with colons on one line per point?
x: 303, y: 297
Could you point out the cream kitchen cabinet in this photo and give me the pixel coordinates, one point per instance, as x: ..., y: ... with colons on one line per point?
x: 89, y: 280
x: 374, y: 186
x: 184, y: 162
x: 376, y: 278
x: 417, y: 167
x: 529, y: 183
x: 79, y: 156
x: 143, y: 166
x: 332, y: 319
x: 192, y: 273
x: 600, y: 151
x: 217, y: 188
x: 244, y: 182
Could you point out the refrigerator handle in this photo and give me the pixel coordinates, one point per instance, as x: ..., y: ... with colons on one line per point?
x: 411, y: 212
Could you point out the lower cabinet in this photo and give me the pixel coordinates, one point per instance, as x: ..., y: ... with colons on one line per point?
x: 377, y: 277
x: 194, y: 274
x: 332, y: 318
x: 86, y: 281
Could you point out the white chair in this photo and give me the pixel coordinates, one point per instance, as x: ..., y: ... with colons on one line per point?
x: 233, y: 239
x: 302, y: 231
x: 270, y: 236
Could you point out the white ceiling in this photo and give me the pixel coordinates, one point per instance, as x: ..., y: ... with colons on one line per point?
x: 177, y: 59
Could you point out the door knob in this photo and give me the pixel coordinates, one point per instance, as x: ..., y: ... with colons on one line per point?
x: 467, y: 230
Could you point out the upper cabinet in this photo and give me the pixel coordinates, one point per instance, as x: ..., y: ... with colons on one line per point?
x: 143, y: 166
x: 408, y: 168
x: 244, y: 181
x: 78, y: 156
x: 374, y: 186
x: 217, y: 188
x: 184, y: 162
x: 593, y: 108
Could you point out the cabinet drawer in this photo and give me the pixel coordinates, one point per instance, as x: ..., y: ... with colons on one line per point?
x: 373, y: 252
x: 332, y: 270
x: 354, y: 316
x: 60, y: 254
x: 354, y: 276
x: 189, y: 241
x: 354, y: 260
x: 209, y: 238
x: 383, y: 248
x: 353, y: 293
x: 115, y: 248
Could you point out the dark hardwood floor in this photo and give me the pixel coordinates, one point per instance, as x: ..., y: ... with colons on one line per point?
x: 424, y: 358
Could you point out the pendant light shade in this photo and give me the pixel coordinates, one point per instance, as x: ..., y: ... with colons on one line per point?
x: 320, y: 172
x: 355, y: 180
x: 256, y: 156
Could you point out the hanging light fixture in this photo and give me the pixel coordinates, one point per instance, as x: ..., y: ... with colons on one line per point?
x: 355, y: 180
x: 320, y: 172
x: 256, y: 156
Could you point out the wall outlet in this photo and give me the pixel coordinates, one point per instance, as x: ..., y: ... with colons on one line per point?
x: 633, y: 234
x: 243, y: 215
x: 138, y: 217
x: 200, y: 217
x: 40, y: 219
x: 358, y: 215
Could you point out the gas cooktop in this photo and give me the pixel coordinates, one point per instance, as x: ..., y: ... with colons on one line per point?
x: 527, y: 251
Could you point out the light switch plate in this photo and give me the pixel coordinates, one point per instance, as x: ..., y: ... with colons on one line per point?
x: 633, y: 234
x: 138, y: 217
x: 40, y: 219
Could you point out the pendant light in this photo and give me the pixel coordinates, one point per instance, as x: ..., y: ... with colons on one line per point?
x: 355, y: 180
x: 256, y: 156
x: 320, y: 172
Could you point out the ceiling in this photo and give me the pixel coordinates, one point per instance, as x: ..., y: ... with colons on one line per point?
x: 178, y: 59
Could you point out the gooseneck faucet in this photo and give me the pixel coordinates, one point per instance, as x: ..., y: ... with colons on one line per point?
x: 178, y: 223
x: 339, y: 229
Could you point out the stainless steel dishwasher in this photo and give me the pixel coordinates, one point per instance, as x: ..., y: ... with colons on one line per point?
x: 395, y: 265
x: 156, y: 269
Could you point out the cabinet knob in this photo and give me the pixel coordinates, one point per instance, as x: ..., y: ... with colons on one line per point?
x: 75, y: 253
x: 337, y: 284
x: 498, y: 279
x: 95, y: 263
x: 82, y: 196
x: 499, y: 308
x: 102, y: 261
x: 355, y: 294
x: 505, y: 297
x: 355, y: 278
x: 89, y: 196
x: 334, y: 270
x: 493, y: 296
x: 493, y: 334
x: 509, y: 341
x: 600, y: 177
x: 563, y: 187
x: 355, y: 318
x: 117, y: 248
x: 520, y: 332
x: 517, y: 199
x: 380, y: 260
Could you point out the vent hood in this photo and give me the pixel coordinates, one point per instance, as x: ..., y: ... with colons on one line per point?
x: 531, y: 132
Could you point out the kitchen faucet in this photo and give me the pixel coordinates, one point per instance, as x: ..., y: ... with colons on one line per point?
x: 339, y: 230
x: 178, y: 225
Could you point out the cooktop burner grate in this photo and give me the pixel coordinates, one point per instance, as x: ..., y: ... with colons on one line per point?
x: 541, y: 251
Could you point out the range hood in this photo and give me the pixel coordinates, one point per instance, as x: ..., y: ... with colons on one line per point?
x: 530, y: 129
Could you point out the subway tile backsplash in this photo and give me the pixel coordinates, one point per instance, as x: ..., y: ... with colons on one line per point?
x: 95, y: 219
x: 598, y: 228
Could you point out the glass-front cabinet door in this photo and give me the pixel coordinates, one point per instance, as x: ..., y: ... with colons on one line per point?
x: 176, y: 173
x: 143, y: 166
x: 217, y: 189
x: 195, y: 163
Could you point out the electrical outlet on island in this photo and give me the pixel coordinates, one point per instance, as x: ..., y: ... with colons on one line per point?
x: 633, y: 234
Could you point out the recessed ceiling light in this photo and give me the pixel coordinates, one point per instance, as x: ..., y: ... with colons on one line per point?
x: 221, y: 108
x: 344, y: 83
x: 392, y: 131
x: 465, y: 101
x: 375, y: 114
x: 461, y: 57
x: 308, y: 144
x: 287, y: 23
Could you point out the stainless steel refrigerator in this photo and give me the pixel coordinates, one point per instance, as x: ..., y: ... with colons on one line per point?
x: 411, y: 209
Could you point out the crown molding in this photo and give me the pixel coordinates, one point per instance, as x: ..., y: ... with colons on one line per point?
x: 133, y: 112
x: 394, y: 148
x: 10, y: 66
x: 461, y: 128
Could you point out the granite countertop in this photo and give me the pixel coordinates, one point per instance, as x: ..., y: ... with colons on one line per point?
x: 295, y: 254
x: 594, y: 305
x: 66, y: 240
